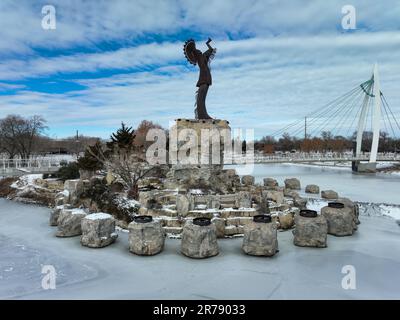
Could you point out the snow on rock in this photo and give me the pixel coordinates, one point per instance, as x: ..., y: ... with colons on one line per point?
x: 26, y: 180
x: 98, y: 216
x: 196, y: 191
x: 78, y: 211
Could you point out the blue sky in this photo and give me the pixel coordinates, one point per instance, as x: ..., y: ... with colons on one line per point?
x: 113, y: 61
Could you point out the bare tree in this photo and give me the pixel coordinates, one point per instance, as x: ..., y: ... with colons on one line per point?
x: 19, y: 135
x: 9, y: 134
x: 130, y: 166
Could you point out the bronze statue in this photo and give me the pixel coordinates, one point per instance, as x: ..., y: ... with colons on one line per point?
x: 195, y: 56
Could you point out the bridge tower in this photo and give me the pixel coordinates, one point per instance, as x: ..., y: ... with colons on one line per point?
x: 372, y: 92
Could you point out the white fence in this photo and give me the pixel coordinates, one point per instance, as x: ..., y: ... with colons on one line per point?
x: 39, y: 165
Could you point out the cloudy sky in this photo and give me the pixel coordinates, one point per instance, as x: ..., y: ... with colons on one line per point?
x: 109, y: 61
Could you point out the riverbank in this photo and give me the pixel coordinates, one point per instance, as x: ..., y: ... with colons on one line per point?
x: 382, y: 167
x: 28, y: 243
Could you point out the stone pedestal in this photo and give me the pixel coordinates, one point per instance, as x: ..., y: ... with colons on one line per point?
x: 260, y: 238
x: 204, y: 132
x: 204, y: 168
x: 69, y: 222
x: 98, y: 230
x: 199, y: 241
x: 146, y: 236
x: 311, y: 229
x: 340, y: 219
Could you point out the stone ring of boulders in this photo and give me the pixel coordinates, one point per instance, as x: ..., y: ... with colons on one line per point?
x: 200, y: 229
x: 199, y: 239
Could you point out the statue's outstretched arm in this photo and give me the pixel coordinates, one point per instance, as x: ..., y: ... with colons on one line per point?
x: 208, y: 44
x: 211, y: 51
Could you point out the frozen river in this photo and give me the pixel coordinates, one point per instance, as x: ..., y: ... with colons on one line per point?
x: 27, y: 243
x: 378, y: 188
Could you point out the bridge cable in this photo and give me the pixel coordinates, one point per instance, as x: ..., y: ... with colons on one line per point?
x: 316, y: 112
x: 332, y: 112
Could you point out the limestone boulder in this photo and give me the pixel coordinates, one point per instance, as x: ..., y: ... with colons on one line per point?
x: 329, y: 194
x: 199, y: 241
x: 219, y: 227
x: 300, y: 202
x: 270, y: 183
x: 55, y: 214
x: 61, y: 198
x: 340, y: 219
x: 200, y: 177
x: 150, y: 199
x: 70, y: 186
x: 98, y: 230
x: 146, y: 238
x: 354, y: 209
x: 312, y: 188
x: 69, y: 222
x: 276, y: 196
x: 248, y: 180
x: 310, y: 231
x: 292, y: 183
x: 290, y: 193
x: 214, y: 202
x: 243, y: 199
x: 263, y: 205
x: 286, y: 221
x: 182, y: 204
x: 260, y: 239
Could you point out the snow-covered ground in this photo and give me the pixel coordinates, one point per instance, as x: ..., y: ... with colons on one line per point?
x: 27, y: 243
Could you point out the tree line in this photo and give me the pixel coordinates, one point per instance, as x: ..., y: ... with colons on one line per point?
x: 326, y: 142
x: 25, y: 137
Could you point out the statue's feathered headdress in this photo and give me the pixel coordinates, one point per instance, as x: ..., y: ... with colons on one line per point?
x: 188, y: 49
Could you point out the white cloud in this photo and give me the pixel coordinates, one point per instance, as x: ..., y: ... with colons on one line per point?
x: 87, y: 23
x: 258, y: 83
x: 263, y: 81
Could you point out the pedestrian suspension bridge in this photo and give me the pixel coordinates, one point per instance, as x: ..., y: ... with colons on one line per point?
x: 364, y: 108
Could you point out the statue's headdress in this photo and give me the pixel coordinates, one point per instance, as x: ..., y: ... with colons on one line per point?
x: 189, y: 49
